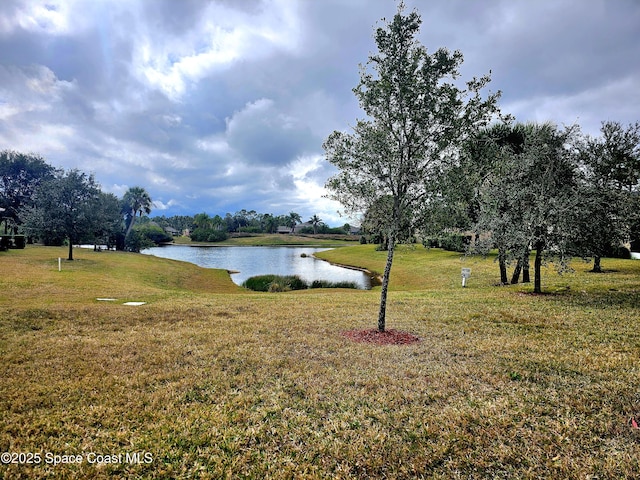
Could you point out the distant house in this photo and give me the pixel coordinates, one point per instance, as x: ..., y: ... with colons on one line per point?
x: 300, y: 226
x: 171, y: 231
x: 282, y: 229
x: 355, y: 230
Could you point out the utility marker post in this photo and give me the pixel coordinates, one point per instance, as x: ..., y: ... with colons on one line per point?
x: 59, y: 264
x: 466, y: 273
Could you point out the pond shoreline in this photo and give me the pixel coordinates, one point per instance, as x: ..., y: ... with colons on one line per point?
x: 375, y: 278
x: 242, y: 263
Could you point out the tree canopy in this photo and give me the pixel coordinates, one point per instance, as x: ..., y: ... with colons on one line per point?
x: 417, y: 116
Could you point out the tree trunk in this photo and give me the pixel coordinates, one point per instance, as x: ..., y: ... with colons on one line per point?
x: 537, y: 286
x: 70, y: 249
x: 526, y: 276
x: 516, y: 272
x: 133, y: 220
x: 503, y: 267
x: 385, y: 285
x: 596, y: 265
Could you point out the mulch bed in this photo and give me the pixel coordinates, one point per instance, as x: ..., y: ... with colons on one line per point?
x: 388, y: 337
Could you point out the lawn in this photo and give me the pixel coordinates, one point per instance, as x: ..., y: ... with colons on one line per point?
x: 207, y: 380
x: 267, y: 240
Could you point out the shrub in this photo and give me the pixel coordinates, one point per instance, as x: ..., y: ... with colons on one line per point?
x: 279, y: 284
x: 135, y: 242
x: 275, y: 283
x: 250, y: 230
x: 259, y: 283
x: 208, y: 235
x: 296, y: 283
x: 455, y: 242
x: 154, y: 233
x: 329, y: 284
x: 431, y: 242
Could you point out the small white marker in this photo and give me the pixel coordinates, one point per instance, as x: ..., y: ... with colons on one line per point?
x: 466, y: 273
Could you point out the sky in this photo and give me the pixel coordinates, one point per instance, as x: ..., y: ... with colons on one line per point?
x: 222, y: 105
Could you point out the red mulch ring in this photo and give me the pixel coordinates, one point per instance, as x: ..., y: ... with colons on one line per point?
x: 388, y: 337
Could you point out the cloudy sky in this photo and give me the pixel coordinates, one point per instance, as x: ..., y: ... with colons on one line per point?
x: 214, y: 106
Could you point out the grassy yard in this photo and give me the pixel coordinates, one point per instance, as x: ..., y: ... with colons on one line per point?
x: 207, y: 380
x: 267, y: 240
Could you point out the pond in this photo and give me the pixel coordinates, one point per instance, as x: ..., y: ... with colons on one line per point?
x: 252, y: 261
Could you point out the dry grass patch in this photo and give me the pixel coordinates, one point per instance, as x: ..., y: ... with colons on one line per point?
x: 226, y: 385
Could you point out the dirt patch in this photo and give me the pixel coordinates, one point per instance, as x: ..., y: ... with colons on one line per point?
x: 388, y: 337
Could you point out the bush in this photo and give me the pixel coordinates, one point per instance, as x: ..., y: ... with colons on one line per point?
x: 431, y: 242
x: 135, y: 242
x: 208, y: 235
x: 154, y: 233
x: 275, y: 283
x: 329, y: 284
x: 250, y: 230
x: 455, y: 242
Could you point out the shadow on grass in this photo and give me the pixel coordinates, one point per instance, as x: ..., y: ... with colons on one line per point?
x: 609, y: 299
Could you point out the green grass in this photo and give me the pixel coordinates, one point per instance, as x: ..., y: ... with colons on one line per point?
x: 218, y: 382
x: 266, y: 240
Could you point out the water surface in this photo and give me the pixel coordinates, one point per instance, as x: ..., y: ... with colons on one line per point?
x: 252, y: 261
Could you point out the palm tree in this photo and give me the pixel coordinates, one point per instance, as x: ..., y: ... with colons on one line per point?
x: 315, y: 221
x: 293, y: 220
x: 135, y: 200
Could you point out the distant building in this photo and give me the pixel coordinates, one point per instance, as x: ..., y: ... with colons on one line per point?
x: 300, y: 226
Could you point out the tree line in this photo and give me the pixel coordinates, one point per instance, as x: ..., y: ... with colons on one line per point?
x: 55, y: 206
x: 433, y: 155
x: 206, y: 228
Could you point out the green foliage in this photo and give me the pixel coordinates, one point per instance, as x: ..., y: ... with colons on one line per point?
x: 154, y: 233
x: 329, y: 284
x: 20, y: 176
x: 417, y: 117
x: 453, y: 242
x: 137, y: 241
x: 208, y: 235
x: 275, y: 283
x: 136, y: 200
x: 64, y: 207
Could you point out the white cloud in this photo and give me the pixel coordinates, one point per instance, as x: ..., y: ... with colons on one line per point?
x: 222, y: 37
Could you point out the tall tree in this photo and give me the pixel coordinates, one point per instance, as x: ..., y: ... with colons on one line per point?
x: 417, y: 116
x: 491, y: 184
x: 64, y: 206
x: 293, y: 219
x: 135, y: 200
x: 530, y: 197
x: 315, y: 220
x: 611, y: 166
x: 20, y: 176
x: 106, y: 219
